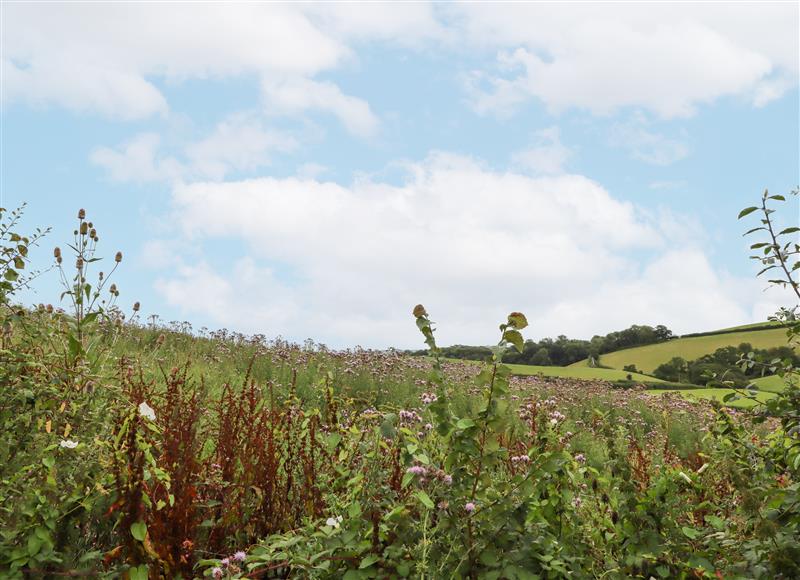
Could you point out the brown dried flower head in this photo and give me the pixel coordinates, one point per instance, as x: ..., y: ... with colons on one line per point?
x: 118, y: 257
x: 81, y: 213
x: 419, y: 310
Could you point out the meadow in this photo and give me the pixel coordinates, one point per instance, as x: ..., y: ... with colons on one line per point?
x: 647, y: 358
x: 140, y: 450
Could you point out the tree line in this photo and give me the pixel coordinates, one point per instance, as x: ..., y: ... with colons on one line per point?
x: 563, y: 351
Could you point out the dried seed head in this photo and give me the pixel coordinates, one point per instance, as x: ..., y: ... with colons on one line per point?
x: 57, y: 252
x: 419, y: 310
x: 113, y: 289
x: 84, y: 228
x: 79, y: 263
x: 91, y: 225
x: 81, y: 213
x: 136, y: 307
x: 49, y: 308
x: 100, y: 276
x: 92, y: 232
x: 118, y: 257
x: 58, y: 260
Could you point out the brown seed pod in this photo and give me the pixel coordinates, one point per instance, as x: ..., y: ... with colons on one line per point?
x: 419, y: 310
x: 57, y: 252
x: 81, y: 213
x: 118, y: 257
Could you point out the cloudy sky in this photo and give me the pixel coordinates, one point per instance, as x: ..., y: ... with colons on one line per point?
x: 315, y: 170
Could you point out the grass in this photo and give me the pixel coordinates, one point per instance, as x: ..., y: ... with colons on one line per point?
x: 771, y: 384
x: 573, y: 372
x: 718, y: 394
x: 581, y: 373
x: 647, y: 358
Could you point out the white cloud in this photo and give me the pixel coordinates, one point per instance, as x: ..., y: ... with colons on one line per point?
x: 137, y: 161
x: 547, y: 155
x: 647, y: 145
x: 103, y: 56
x: 666, y: 58
x: 470, y: 243
x: 296, y: 95
x: 239, y: 143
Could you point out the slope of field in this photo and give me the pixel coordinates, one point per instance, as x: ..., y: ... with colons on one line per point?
x: 717, y: 394
x: 580, y: 373
x: 647, y: 358
x: 772, y: 384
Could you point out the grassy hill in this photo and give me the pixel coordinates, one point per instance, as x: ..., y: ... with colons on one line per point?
x: 647, y: 358
x: 573, y: 372
x: 716, y: 394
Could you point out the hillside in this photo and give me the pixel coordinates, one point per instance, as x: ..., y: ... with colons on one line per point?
x: 647, y: 358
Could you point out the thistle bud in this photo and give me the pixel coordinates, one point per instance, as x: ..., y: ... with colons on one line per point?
x: 57, y: 253
x: 118, y: 257
x: 91, y: 225
x: 136, y: 307
x: 84, y: 228
x: 81, y: 213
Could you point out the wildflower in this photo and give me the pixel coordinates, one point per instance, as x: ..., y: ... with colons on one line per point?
x: 428, y: 398
x: 240, y: 556
x: 68, y: 443
x: 417, y: 470
x: 469, y: 507
x: 334, y: 522
x: 81, y: 213
x: 577, y: 502
x: 444, y: 504
x: 216, y: 572
x: 147, y: 411
x: 448, y: 480
x: 520, y: 459
x: 225, y: 562
x: 580, y: 458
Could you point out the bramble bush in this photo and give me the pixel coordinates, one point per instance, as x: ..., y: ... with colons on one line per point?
x: 145, y: 451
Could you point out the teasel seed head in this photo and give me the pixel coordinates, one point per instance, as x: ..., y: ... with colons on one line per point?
x: 419, y: 310
x: 84, y: 228
x: 136, y: 306
x: 81, y: 213
x: 57, y: 252
x: 118, y: 257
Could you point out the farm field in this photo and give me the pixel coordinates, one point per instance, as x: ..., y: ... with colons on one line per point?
x: 717, y: 395
x: 647, y: 358
x: 573, y: 372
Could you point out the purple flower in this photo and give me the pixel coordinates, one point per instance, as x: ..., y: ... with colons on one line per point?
x: 240, y: 556
x: 580, y: 458
x: 216, y: 572
x: 417, y: 470
x: 469, y: 507
x: 225, y: 562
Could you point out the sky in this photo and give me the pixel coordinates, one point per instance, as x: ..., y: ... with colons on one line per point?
x: 315, y: 170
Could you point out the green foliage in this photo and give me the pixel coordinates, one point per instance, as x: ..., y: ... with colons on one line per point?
x: 159, y: 451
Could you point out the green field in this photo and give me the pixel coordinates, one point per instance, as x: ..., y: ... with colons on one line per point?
x: 718, y: 394
x: 647, y: 358
x: 587, y: 373
x: 772, y: 384
x: 573, y: 372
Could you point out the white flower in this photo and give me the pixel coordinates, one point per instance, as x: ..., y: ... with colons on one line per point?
x: 147, y: 411
x: 333, y: 522
x: 68, y: 443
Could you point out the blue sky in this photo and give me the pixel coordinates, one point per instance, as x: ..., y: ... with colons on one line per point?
x: 315, y: 170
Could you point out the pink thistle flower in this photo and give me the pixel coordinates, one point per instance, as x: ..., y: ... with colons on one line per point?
x: 469, y: 507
